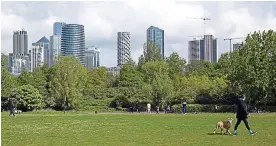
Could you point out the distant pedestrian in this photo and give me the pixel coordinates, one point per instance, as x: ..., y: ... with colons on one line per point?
x: 11, y: 108
x: 157, y: 109
x: 184, y: 107
x: 137, y: 107
x: 148, y: 108
x: 131, y: 108
x: 242, y: 115
x: 168, y: 109
x: 216, y: 108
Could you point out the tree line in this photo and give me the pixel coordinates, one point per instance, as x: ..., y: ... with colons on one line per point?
x: 250, y: 71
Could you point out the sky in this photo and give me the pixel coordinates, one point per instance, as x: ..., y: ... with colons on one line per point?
x: 102, y: 21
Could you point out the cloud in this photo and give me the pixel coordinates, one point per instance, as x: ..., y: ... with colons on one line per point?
x: 102, y: 21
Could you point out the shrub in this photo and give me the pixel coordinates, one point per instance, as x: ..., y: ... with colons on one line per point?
x: 177, y: 108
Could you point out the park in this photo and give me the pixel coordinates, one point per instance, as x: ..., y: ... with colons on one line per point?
x: 66, y: 104
x: 124, y: 129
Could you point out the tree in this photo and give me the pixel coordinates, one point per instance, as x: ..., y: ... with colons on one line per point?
x: 97, y: 82
x: 48, y: 95
x: 200, y: 67
x: 38, y: 79
x: 25, y: 78
x: 4, y: 61
x: 151, y: 52
x: 130, y: 76
x: 26, y: 97
x: 258, y: 57
x: 176, y: 65
x: 251, y: 68
x: 8, y: 82
x: 157, y: 76
x: 69, y: 81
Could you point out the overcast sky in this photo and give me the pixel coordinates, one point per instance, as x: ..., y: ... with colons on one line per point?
x: 102, y: 21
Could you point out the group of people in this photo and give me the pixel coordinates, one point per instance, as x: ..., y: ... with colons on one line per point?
x: 167, y: 108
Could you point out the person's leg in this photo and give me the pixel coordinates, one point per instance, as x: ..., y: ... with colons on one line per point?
x: 184, y: 109
x: 236, y: 126
x: 247, y: 126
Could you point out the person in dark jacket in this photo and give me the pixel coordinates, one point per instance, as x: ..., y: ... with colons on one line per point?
x: 11, y: 109
x: 242, y: 115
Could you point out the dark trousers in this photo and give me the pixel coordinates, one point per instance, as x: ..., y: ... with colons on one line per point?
x: 184, y: 109
x: 239, y: 121
x: 11, y: 112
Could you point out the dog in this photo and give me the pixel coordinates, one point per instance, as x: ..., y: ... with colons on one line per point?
x: 18, y: 111
x: 224, y: 124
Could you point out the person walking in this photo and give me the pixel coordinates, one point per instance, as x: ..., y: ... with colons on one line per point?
x: 157, y: 109
x: 242, y: 115
x: 131, y: 108
x: 184, y: 107
x: 12, y: 109
x: 149, y: 108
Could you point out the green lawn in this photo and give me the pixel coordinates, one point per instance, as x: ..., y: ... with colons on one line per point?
x: 80, y: 129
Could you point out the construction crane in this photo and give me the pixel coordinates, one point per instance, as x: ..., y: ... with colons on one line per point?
x: 230, y: 40
x: 204, y: 21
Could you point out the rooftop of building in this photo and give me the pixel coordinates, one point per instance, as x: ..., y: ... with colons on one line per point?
x: 154, y: 27
x: 43, y: 40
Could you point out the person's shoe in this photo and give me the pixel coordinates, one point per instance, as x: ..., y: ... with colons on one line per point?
x: 253, y: 133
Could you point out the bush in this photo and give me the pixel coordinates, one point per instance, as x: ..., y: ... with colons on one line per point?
x: 177, y: 108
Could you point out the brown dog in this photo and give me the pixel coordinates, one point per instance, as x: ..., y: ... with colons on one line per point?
x: 224, y: 124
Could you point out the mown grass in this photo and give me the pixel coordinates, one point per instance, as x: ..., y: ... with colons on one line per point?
x: 80, y: 129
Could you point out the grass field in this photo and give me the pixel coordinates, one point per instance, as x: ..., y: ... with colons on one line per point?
x: 80, y: 129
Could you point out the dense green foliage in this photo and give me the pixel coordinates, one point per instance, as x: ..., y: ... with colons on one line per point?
x: 161, y: 81
x: 4, y: 61
x: 83, y: 129
x: 26, y: 97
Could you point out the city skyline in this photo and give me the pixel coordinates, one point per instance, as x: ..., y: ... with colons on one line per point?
x: 228, y: 19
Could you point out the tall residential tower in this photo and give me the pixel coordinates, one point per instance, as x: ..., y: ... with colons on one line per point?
x: 123, y: 48
x: 18, y: 60
x: 20, y: 42
x: 203, y: 49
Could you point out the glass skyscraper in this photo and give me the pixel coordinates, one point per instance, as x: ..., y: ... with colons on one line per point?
x: 73, y: 41
x: 57, y: 28
x: 156, y: 35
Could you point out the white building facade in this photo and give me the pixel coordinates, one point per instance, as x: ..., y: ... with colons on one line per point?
x: 115, y: 71
x: 18, y: 63
x: 36, y: 56
x: 92, y: 57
